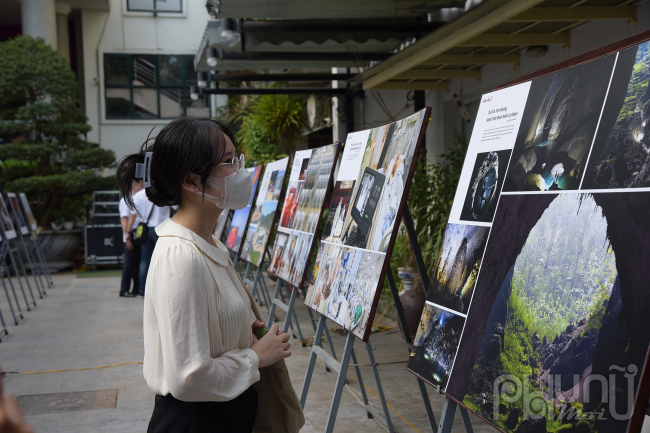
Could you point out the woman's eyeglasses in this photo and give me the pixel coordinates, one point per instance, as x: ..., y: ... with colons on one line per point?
x: 237, y: 162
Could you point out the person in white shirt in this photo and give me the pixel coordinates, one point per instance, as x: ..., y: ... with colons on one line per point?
x: 145, y: 211
x: 131, y: 264
x: 201, y: 356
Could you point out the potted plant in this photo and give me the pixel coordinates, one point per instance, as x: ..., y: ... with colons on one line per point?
x: 48, y: 157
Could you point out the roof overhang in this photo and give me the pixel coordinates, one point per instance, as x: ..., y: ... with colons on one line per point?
x: 493, y: 32
x: 310, y: 9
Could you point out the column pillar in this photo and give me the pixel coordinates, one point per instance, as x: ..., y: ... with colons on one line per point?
x: 62, y: 37
x: 39, y: 20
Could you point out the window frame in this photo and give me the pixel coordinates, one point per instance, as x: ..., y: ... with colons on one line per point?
x: 184, y: 88
x: 140, y: 13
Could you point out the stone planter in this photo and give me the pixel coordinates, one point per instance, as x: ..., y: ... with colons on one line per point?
x: 59, y: 247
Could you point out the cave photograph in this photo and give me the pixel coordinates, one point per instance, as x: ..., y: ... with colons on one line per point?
x: 561, y: 302
x: 558, y: 127
x: 435, y: 345
x: 485, y: 186
x: 620, y: 156
x: 457, y: 266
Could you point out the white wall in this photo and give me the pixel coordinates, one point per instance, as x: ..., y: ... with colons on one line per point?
x: 119, y: 31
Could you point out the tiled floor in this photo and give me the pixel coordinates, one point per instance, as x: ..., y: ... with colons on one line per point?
x: 83, y: 323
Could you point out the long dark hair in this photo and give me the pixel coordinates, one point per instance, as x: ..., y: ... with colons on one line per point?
x: 183, y: 146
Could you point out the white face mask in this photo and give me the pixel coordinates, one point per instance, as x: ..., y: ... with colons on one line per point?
x: 236, y: 190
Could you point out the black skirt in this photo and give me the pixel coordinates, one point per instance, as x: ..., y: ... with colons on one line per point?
x: 174, y: 416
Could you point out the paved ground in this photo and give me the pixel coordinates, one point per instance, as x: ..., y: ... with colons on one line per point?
x: 83, y: 323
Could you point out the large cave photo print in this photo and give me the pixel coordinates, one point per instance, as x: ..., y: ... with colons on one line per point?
x: 561, y: 301
x: 621, y: 153
x: 558, y: 127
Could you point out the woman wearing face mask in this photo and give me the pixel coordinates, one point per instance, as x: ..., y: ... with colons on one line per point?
x: 202, y: 358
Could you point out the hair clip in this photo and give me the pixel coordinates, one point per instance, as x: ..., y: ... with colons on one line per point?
x: 144, y: 170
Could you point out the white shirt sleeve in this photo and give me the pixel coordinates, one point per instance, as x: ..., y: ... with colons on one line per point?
x: 180, y: 302
x: 124, y: 209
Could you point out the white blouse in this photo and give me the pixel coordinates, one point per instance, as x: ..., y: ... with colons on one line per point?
x: 197, y: 320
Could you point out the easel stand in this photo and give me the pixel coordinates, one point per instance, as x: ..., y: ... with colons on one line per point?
x: 7, y: 250
x: 288, y: 309
x: 256, y: 280
x: 449, y: 409
x: 40, y: 257
x: 33, y: 267
x: 341, y: 369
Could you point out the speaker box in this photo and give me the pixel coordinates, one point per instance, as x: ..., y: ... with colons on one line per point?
x: 104, y: 244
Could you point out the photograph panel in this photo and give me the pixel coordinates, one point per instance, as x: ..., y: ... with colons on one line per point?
x: 457, y: 266
x: 485, y: 187
x: 435, y: 345
x: 328, y: 263
x: 337, y: 304
x: 558, y: 127
x: 557, y: 305
x: 28, y: 210
x: 363, y: 292
x: 278, y: 251
x: 619, y: 158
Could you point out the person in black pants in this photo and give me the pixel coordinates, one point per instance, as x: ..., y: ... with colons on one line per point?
x: 130, y: 269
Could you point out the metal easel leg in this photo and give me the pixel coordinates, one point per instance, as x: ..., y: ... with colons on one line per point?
x: 11, y: 307
x: 407, y: 338
x: 287, y: 321
x: 312, y: 362
x: 361, y: 385
x: 387, y: 422
x: 329, y: 340
x: 447, y: 418
x: 427, y: 404
x: 398, y: 306
x: 11, y: 284
x: 340, y: 383
x: 327, y: 334
x: 13, y: 263
x: 256, y: 282
x: 292, y: 317
x: 4, y: 326
x: 273, y: 306
x: 41, y: 258
x: 466, y: 420
x: 33, y: 267
x: 22, y: 266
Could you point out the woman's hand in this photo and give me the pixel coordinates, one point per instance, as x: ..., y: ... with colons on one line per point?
x: 11, y: 417
x: 273, y: 347
x: 256, y: 325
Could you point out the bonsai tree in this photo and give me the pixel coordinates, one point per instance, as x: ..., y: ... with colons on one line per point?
x: 48, y: 157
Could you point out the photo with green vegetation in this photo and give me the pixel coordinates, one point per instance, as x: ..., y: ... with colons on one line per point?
x: 560, y: 313
x: 620, y: 156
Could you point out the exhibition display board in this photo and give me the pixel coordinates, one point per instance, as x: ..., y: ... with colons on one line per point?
x: 369, y: 196
x: 309, y: 182
x: 7, y: 225
x: 264, y: 213
x: 537, y: 314
x: 19, y: 217
x: 239, y: 222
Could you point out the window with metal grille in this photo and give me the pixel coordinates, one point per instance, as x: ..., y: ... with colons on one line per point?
x: 149, y: 86
x: 174, y: 6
